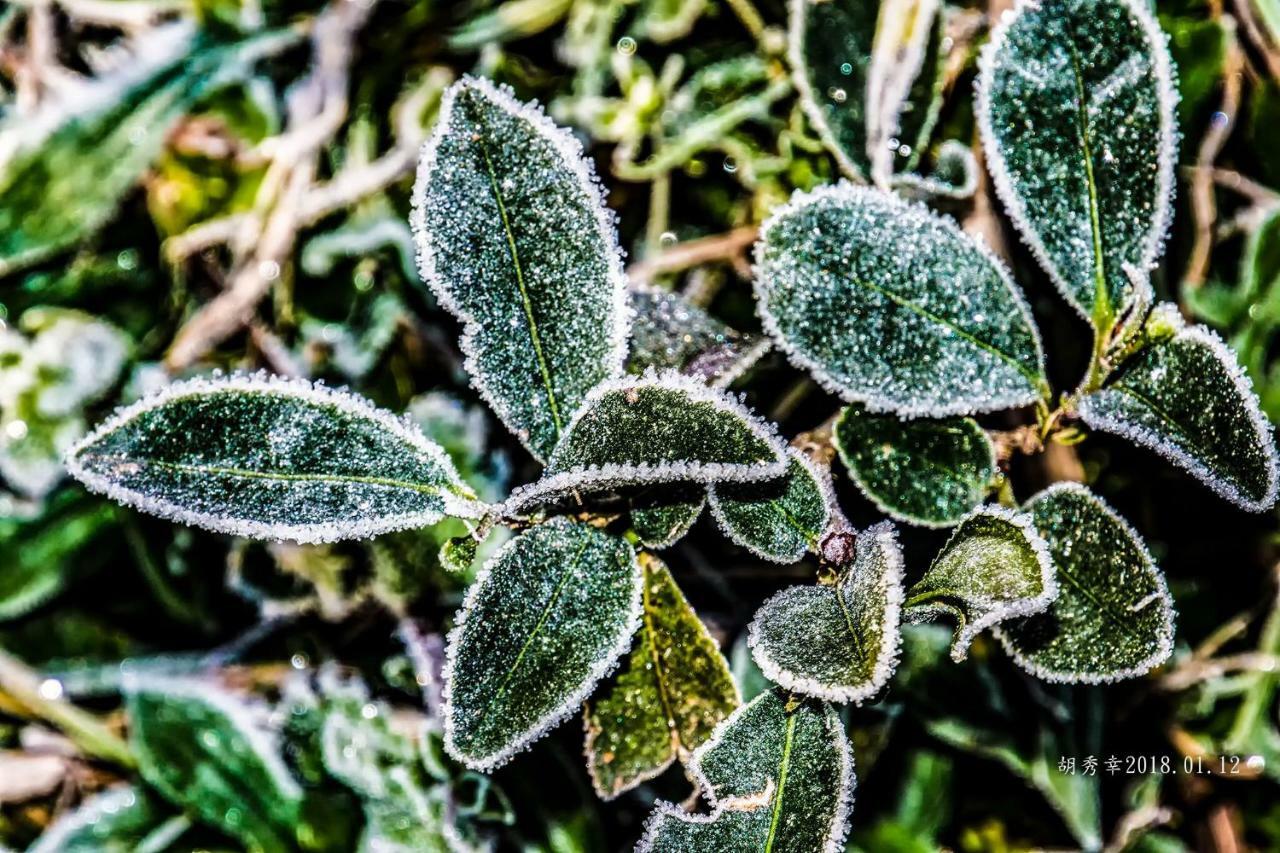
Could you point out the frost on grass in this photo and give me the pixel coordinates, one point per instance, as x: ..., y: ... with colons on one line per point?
x: 927, y: 472
x: 662, y: 515
x: 890, y: 305
x: 657, y: 428
x: 514, y: 238
x: 669, y: 694
x: 778, y: 776
x: 1113, y: 617
x: 1186, y: 398
x: 116, y: 820
x: 778, y: 520
x: 547, y: 617
x: 670, y: 332
x: 837, y: 642
x: 211, y: 754
x: 271, y: 458
x: 1076, y: 108
x: 994, y: 567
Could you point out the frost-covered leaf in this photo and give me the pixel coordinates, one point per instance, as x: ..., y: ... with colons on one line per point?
x: 1076, y: 108
x: 1186, y: 398
x: 1113, y: 617
x: 40, y: 553
x: 831, y: 46
x: 546, y: 618
x: 661, y: 516
x: 954, y: 175
x: 928, y: 472
x: 778, y: 520
x: 210, y: 754
x: 657, y: 428
x: 267, y: 457
x: 514, y: 238
x: 837, y: 642
x: 116, y: 820
x: 994, y: 567
x: 671, y: 691
x: 779, y: 777
x: 669, y: 332
x: 889, y: 305
x: 60, y: 189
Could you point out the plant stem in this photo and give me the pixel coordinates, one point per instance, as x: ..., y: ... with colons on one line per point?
x: 22, y: 684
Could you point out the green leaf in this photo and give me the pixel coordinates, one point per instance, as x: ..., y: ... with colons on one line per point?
x: 671, y: 691
x: 669, y: 332
x: 1076, y: 108
x: 271, y: 458
x: 954, y: 175
x: 1186, y: 398
x: 661, y: 517
x: 116, y: 820
x: 667, y: 20
x: 927, y: 472
x: 837, y: 642
x: 544, y: 621
x: 42, y: 552
x: 62, y: 188
x: 657, y: 428
x: 1113, y: 617
x: 904, y: 84
x: 994, y: 567
x: 778, y: 776
x: 208, y: 753
x: 514, y: 238
x: 890, y: 305
x: 779, y: 521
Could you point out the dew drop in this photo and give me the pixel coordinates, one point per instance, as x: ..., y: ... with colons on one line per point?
x: 626, y: 46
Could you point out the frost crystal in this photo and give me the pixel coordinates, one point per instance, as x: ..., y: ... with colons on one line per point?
x: 669, y: 332
x: 656, y: 428
x: 890, y: 305
x: 1112, y: 618
x: 546, y: 618
x: 778, y: 776
x: 994, y: 567
x: 514, y: 238
x: 839, y: 642
x: 1187, y: 398
x: 1076, y: 108
x: 271, y: 458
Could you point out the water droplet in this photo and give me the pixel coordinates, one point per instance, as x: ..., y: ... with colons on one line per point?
x: 667, y: 240
x: 16, y: 430
x: 298, y: 661
x: 730, y: 165
x: 50, y: 688
x: 837, y: 94
x: 626, y: 45
x: 846, y: 68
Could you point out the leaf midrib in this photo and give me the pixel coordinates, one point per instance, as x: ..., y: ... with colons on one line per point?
x: 776, y: 815
x: 281, y: 476
x: 921, y: 311
x: 525, y: 301
x: 658, y: 668
x: 1101, y: 298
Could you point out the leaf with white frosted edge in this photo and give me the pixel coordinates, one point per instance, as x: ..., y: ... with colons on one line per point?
x: 1112, y: 618
x: 657, y: 428
x: 1076, y: 107
x: 661, y: 517
x: 1187, y: 398
x: 514, y: 239
x: 211, y: 754
x: 778, y: 775
x: 836, y: 642
x: 271, y: 458
x: 926, y: 472
x: 669, y: 694
x: 954, y: 175
x: 44, y: 552
x: 779, y: 520
x: 890, y: 305
x: 116, y: 820
x: 994, y: 567
x: 547, y: 617
x: 905, y: 32
x: 670, y: 332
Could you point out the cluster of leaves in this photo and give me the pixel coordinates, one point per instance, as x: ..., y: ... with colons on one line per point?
x: 618, y: 391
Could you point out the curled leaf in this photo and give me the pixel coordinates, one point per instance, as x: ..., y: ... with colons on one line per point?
x: 271, y: 458
x: 515, y: 240
x: 837, y: 642
x: 1112, y: 618
x: 892, y: 306
x: 548, y: 615
x: 994, y: 567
